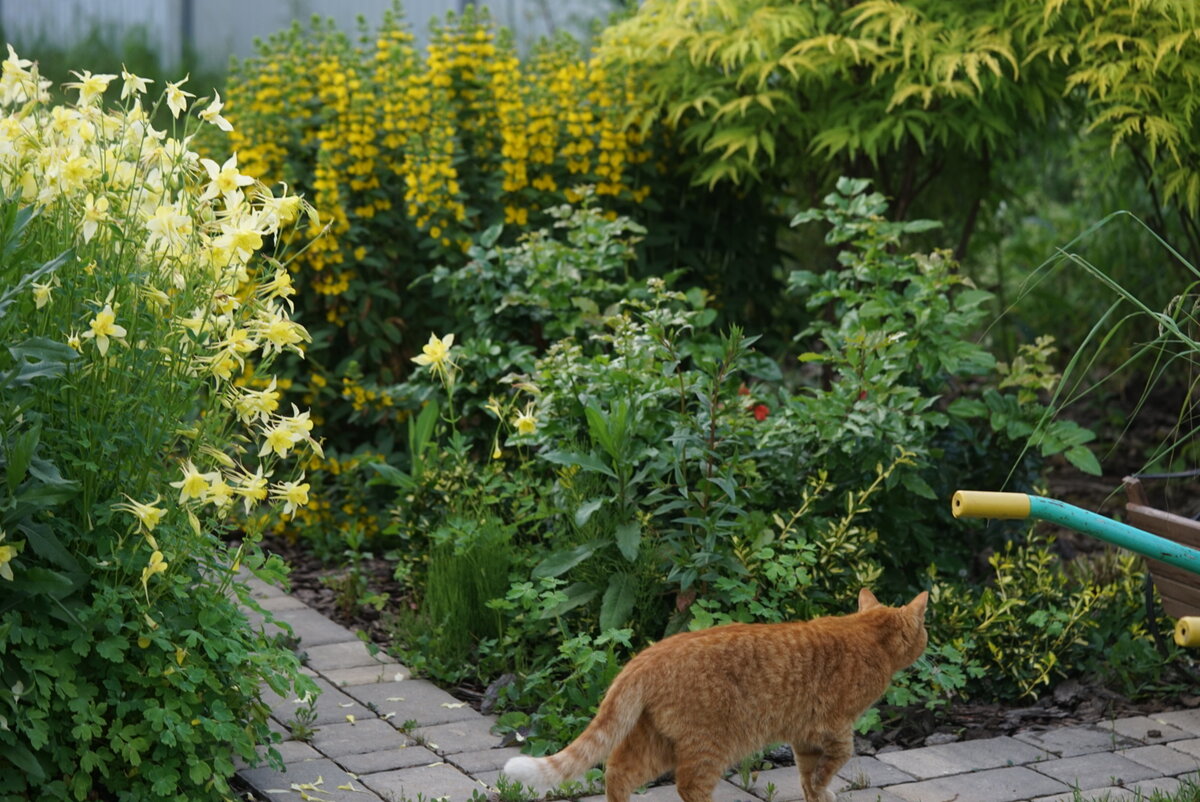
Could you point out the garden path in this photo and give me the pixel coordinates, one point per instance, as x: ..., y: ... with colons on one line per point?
x: 378, y: 735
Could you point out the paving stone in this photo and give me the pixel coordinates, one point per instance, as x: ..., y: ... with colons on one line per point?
x: 314, y: 629
x: 366, y: 675
x: 332, y: 706
x: 1188, y: 747
x: 786, y: 782
x: 946, y: 759
x: 1075, y: 741
x: 869, y: 795
x: 1140, y: 728
x: 412, y: 700
x: 473, y: 735
x: 483, y: 760
x: 859, y: 773
x: 268, y: 780
x: 279, y: 603
x: 405, y: 757
x: 346, y: 654
x: 371, y: 735
x: 995, y: 785
x: 439, y: 781
x: 1110, y: 794
x: 1097, y: 770
x: 1163, y: 759
x: 724, y: 792
x: 1188, y: 720
x: 1164, y: 785
x: 258, y: 588
x: 863, y: 771
x: 293, y: 751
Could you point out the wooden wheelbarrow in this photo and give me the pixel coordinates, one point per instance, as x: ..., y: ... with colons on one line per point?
x: 1170, y: 543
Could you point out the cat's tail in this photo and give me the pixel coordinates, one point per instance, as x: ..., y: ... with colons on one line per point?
x: 618, y: 714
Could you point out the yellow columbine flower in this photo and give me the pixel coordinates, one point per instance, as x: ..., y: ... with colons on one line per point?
x: 42, y: 292
x: 74, y: 341
x: 280, y: 333
x: 224, y: 179
x: 294, y: 494
x: 103, y: 326
x: 219, y: 493
x: 280, y: 286
x: 526, y: 422
x: 147, y: 514
x: 280, y: 439
x: 156, y: 566
x: 251, y: 487
x: 133, y: 84
x: 168, y: 225
x: 95, y: 212
x: 176, y: 97
x: 7, y: 553
x: 90, y: 86
x: 212, y: 114
x: 251, y: 404
x: 436, y: 355
x: 193, y: 484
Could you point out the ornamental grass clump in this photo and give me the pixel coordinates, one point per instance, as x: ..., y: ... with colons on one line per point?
x: 140, y: 312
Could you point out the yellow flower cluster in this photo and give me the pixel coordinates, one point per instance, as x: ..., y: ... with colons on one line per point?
x: 199, y: 303
x: 367, y: 398
x: 452, y: 142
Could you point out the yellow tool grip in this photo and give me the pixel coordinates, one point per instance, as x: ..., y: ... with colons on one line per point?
x: 985, y: 504
x: 1187, y: 632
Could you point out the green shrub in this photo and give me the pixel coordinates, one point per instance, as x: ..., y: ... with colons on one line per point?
x: 137, y: 319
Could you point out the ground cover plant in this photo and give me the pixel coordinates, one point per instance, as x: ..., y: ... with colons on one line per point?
x: 142, y: 306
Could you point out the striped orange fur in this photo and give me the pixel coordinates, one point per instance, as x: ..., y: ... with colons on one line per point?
x: 697, y: 702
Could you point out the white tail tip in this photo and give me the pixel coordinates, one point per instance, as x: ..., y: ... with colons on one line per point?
x: 532, y: 772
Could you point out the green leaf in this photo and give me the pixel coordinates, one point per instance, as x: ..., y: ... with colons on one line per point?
x: 45, y: 544
x: 587, y: 509
x: 390, y: 475
x: 43, y: 581
x: 24, y: 760
x: 576, y: 595
x: 629, y: 538
x: 598, y: 428
x: 1083, y: 459
x: 489, y: 237
x: 618, y: 601
x: 586, y: 462
x: 918, y: 486
x: 113, y: 649
x: 562, y: 561
x: 967, y: 408
x: 19, y: 455
x: 39, y: 357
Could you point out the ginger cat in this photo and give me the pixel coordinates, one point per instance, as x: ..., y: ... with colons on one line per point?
x: 697, y: 702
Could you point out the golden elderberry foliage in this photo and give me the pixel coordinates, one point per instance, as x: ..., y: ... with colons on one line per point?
x: 789, y: 95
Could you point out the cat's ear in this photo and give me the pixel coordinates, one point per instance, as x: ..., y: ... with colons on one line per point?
x: 867, y: 600
x: 919, y: 604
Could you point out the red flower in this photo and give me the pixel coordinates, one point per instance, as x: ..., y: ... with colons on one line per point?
x: 761, y: 411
